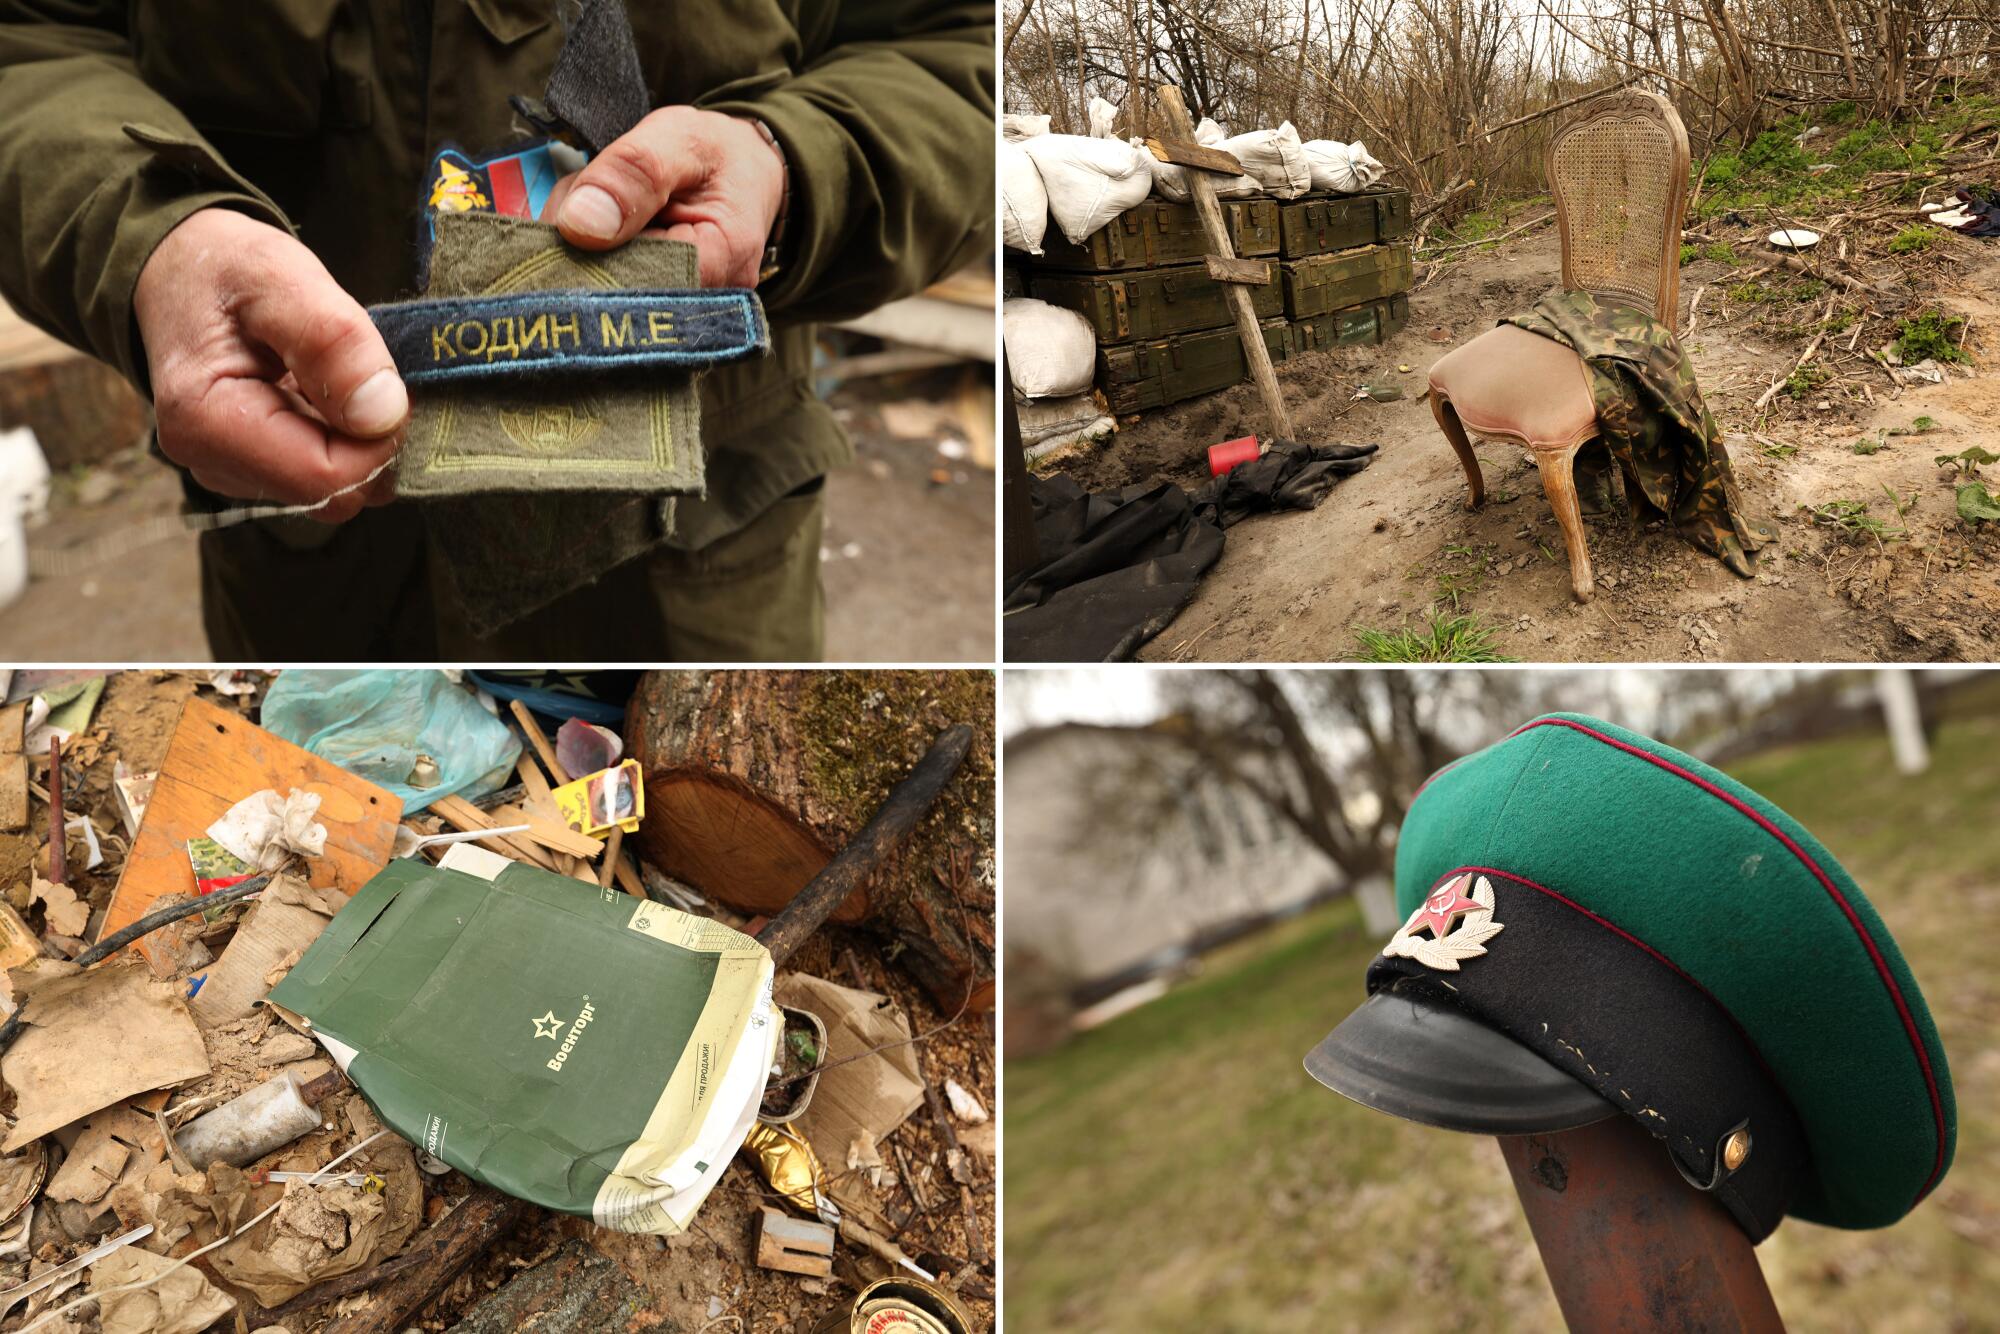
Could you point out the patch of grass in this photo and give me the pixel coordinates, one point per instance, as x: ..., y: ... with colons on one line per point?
x: 1865, y: 446
x: 1803, y: 381
x: 1689, y: 251
x: 1777, y: 449
x: 1752, y: 293
x: 1912, y: 239
x: 1773, y: 170
x: 1931, y: 335
x: 1441, y: 639
x: 1923, y: 424
x: 1775, y: 153
x: 1721, y: 252
x: 1851, y: 519
x: 1454, y: 586
x: 1840, y: 321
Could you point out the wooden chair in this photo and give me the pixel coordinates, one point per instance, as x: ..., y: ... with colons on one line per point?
x: 1619, y: 173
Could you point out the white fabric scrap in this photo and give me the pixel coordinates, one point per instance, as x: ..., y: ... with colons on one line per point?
x: 263, y: 829
x: 965, y: 1104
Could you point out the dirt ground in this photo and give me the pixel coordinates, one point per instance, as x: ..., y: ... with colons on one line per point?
x: 906, y: 560
x: 1396, y: 540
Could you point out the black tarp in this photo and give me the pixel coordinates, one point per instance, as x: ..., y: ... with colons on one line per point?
x: 1116, y: 567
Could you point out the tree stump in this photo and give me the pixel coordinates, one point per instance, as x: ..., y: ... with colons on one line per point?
x: 755, y: 779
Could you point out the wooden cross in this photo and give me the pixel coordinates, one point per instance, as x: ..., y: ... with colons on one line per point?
x: 1234, y: 274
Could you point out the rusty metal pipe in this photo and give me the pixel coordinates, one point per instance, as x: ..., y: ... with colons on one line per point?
x: 1627, y: 1244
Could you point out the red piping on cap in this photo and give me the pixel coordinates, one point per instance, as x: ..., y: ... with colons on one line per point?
x: 1826, y: 881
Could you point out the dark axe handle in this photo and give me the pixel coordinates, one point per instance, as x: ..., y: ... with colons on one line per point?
x: 907, y: 803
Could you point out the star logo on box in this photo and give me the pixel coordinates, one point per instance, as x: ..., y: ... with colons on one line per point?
x: 1458, y: 923
x: 553, y: 1031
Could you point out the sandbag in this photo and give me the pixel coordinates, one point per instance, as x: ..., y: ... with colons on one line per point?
x: 1342, y: 167
x: 1015, y: 127
x: 1024, y: 204
x: 1274, y: 160
x: 1102, y: 116
x: 1170, y: 181
x: 1050, y: 424
x: 1089, y: 181
x: 1051, y: 351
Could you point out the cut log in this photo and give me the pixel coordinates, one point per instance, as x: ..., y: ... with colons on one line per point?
x: 755, y: 779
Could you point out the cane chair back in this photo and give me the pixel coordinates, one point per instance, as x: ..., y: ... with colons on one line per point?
x: 1619, y: 173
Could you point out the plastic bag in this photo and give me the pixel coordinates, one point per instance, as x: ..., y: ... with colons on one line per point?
x: 1024, y: 204
x: 1274, y: 162
x: 376, y: 723
x: 1089, y: 181
x: 1051, y: 351
x: 1342, y: 167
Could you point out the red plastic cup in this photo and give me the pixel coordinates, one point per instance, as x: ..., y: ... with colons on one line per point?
x: 1228, y: 454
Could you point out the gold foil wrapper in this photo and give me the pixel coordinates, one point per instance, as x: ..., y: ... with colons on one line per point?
x: 792, y: 1168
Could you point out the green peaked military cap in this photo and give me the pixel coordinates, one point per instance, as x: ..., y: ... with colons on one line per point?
x: 1719, y: 884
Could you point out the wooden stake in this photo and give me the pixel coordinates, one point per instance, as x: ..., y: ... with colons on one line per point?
x: 612, y: 844
x: 533, y: 731
x: 1629, y: 1245
x: 1181, y: 129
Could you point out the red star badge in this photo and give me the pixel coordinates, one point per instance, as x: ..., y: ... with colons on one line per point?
x: 1447, y: 903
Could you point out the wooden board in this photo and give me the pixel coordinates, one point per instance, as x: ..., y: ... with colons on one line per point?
x: 13, y: 767
x: 1185, y: 153
x: 216, y: 759
x: 1252, y: 272
x: 794, y: 1245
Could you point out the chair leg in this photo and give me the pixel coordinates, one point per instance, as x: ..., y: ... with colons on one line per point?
x: 1559, y: 480
x: 1454, y: 431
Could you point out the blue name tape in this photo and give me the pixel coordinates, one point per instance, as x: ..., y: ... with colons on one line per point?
x: 549, y: 333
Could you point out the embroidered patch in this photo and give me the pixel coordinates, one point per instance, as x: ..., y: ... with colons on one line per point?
x: 1459, y: 924
x: 458, y: 338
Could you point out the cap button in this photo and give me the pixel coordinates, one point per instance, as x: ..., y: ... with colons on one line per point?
x: 1736, y: 1148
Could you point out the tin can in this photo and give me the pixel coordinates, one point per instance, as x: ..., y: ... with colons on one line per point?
x: 898, y: 1306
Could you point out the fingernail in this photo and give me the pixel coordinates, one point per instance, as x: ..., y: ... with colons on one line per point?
x: 378, y: 406
x: 591, y: 211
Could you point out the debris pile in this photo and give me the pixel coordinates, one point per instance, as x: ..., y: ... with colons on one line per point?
x: 260, y: 988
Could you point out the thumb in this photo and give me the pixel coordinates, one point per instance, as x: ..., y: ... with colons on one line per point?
x: 622, y: 189
x: 331, y: 347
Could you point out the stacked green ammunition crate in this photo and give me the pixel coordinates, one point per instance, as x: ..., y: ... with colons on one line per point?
x: 1340, y: 274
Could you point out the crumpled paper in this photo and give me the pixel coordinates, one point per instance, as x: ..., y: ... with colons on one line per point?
x: 264, y: 829
x: 319, y: 1232
x: 184, y: 1302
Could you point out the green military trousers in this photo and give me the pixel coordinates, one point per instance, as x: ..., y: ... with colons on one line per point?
x: 292, y: 590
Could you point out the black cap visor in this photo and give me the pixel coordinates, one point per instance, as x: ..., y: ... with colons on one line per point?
x: 1424, y: 1061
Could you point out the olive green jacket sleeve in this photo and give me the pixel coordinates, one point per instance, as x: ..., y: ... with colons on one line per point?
x: 95, y: 169
x: 888, y: 129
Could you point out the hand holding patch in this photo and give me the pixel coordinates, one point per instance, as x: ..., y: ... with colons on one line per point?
x: 696, y: 176
x: 269, y: 381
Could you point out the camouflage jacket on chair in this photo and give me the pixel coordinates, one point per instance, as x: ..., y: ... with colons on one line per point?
x: 1654, y: 422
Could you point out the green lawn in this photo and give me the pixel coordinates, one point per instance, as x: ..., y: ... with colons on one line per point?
x: 1177, y: 1169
